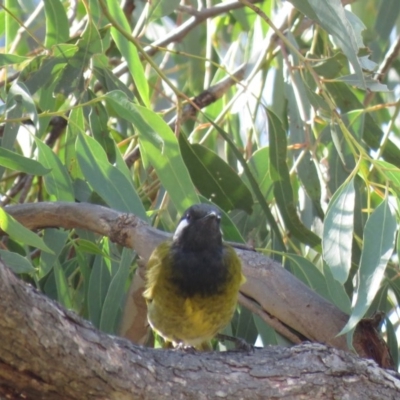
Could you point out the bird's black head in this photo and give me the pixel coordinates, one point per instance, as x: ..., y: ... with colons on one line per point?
x: 199, y: 228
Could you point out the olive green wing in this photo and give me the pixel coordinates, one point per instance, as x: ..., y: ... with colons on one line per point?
x: 234, y: 265
x: 154, y: 268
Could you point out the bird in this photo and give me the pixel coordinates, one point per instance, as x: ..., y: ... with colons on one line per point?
x: 192, y: 281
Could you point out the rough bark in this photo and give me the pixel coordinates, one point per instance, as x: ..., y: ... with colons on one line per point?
x: 47, y: 352
x: 278, y: 297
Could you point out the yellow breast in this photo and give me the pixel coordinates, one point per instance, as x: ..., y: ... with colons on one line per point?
x: 189, y: 320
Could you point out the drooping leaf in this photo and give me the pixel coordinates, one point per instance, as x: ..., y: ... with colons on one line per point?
x: 9, y: 59
x: 337, y: 236
x: 128, y: 50
x: 161, y: 8
x: 378, y: 245
x: 63, y: 289
x: 16, y: 162
x: 331, y: 15
x: 116, y: 293
x: 55, y: 239
x: 214, y: 178
x: 108, y: 181
x: 100, y: 278
x: 18, y: 264
x: 57, y: 182
x: 19, y: 233
x: 282, y: 187
x: 57, y: 26
x: 160, y: 147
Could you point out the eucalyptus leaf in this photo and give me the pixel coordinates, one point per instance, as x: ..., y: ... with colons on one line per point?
x: 19, y: 264
x: 337, y: 236
x: 378, y: 245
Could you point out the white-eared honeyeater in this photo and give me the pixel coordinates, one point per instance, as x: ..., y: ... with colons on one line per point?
x: 192, y: 282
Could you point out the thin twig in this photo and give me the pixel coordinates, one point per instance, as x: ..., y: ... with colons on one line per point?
x: 390, y: 57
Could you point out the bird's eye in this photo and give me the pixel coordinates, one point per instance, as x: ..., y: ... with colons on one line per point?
x: 188, y: 217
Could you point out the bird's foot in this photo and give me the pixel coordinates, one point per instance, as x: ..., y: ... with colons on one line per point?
x: 240, y: 344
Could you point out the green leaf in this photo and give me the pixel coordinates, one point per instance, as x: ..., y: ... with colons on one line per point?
x: 19, y: 264
x: 391, y: 173
x: 55, y: 239
x: 259, y: 167
x: 10, y: 21
x: 161, y: 8
x: 330, y: 67
x: 372, y: 84
x: 116, y: 293
x: 392, y: 342
x: 282, y: 186
x: 378, y: 244
x: 76, y: 125
x: 90, y: 41
x: 63, y: 289
x: 214, y: 178
x: 16, y: 162
x: 305, y: 166
x: 305, y: 8
x: 372, y: 133
x: 389, y: 11
x: 18, y: 101
x: 106, y: 77
x: 108, y: 181
x: 308, y: 273
x: 19, y: 233
x: 331, y: 15
x: 86, y: 246
x: 159, y: 146
x: 99, y: 282
x: 129, y: 51
x: 57, y: 182
x: 245, y: 327
x: 337, y: 236
x: 268, y: 335
x: 9, y: 59
x: 336, y: 290
x: 253, y: 183
x: 44, y: 71
x: 57, y: 25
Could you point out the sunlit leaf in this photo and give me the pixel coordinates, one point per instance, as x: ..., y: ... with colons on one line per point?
x: 129, y: 51
x: 378, y: 245
x: 109, y: 182
x: 18, y: 232
x: 8, y: 59
x: 160, y: 148
x: 57, y: 26
x: 337, y: 237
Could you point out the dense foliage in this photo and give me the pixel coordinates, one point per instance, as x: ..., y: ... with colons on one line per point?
x: 284, y: 114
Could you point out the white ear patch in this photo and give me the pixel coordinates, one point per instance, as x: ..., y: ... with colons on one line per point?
x: 179, y: 229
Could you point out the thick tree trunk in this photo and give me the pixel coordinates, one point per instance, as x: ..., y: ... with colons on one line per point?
x: 47, y: 352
